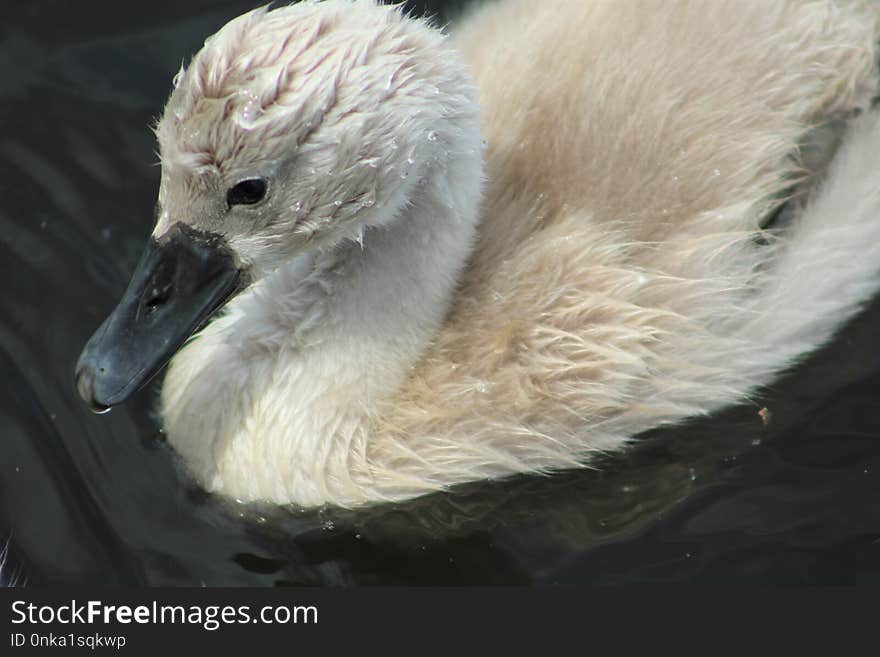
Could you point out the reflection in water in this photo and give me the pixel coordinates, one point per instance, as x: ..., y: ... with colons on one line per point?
x: 6, y: 575
x: 101, y: 499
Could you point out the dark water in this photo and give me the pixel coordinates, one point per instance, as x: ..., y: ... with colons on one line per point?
x: 100, y: 499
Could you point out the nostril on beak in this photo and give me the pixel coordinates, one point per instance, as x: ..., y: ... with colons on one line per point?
x: 85, y: 385
x: 156, y: 297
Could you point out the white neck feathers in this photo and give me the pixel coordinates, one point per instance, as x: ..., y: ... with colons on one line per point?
x: 333, y: 333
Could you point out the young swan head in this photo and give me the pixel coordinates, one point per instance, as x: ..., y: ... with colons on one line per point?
x: 291, y: 130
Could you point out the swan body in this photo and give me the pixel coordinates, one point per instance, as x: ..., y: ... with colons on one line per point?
x: 512, y: 249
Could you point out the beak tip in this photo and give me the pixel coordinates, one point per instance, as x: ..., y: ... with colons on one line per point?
x: 85, y: 385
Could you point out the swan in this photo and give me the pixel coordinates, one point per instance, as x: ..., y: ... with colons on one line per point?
x: 444, y: 258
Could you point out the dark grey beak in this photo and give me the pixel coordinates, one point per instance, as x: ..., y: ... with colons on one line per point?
x: 178, y: 284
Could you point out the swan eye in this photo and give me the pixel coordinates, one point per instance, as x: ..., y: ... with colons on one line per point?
x: 247, y: 192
